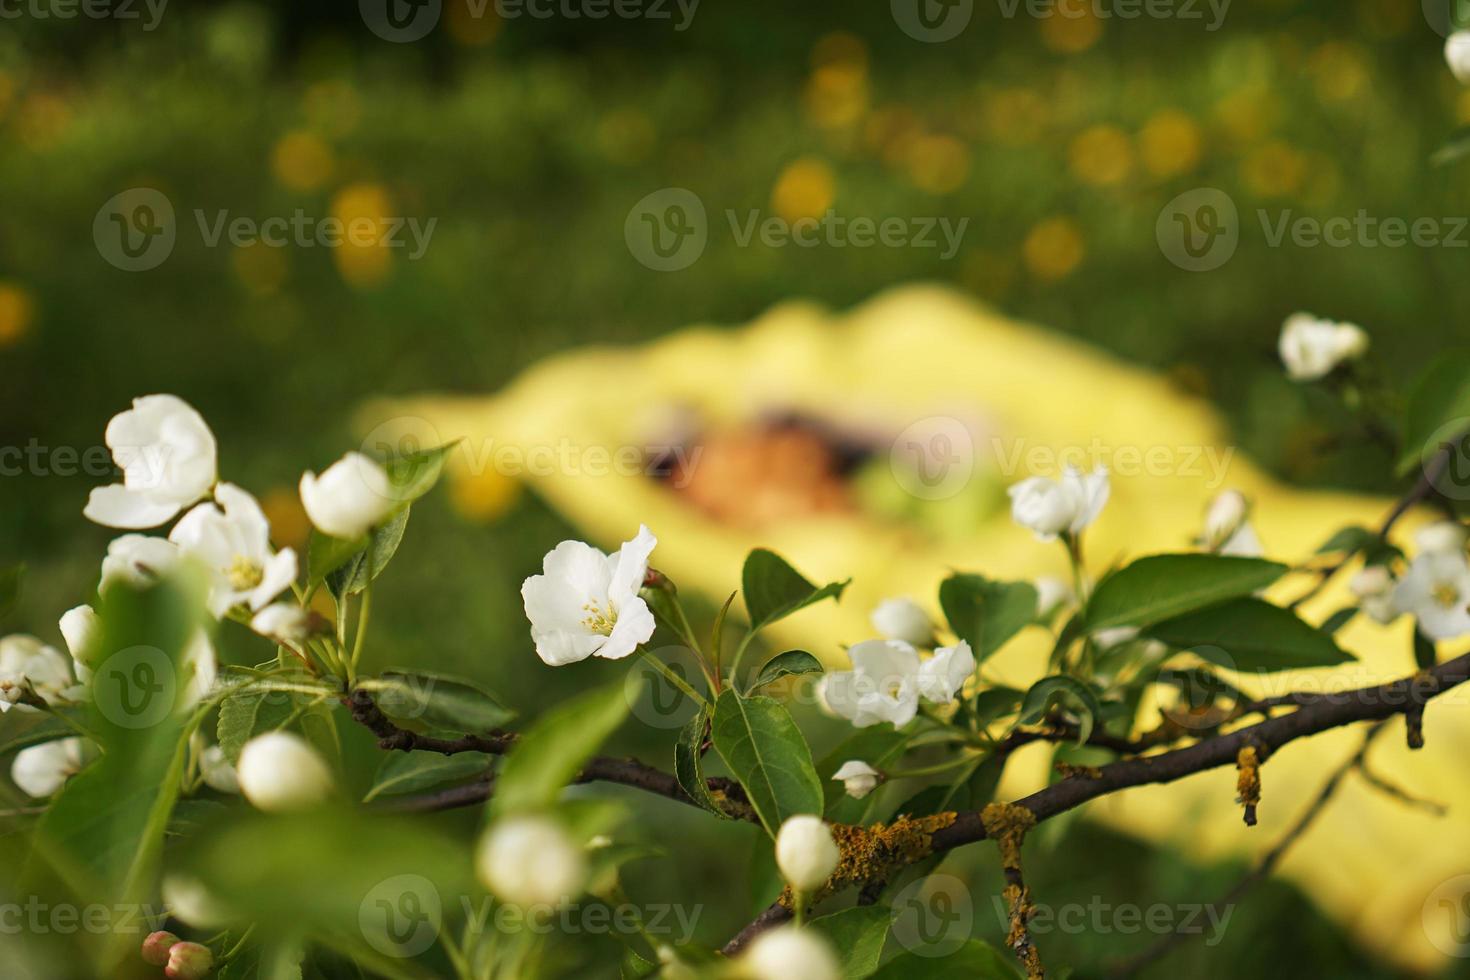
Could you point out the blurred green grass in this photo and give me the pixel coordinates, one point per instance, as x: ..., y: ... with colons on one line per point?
x: 531, y: 148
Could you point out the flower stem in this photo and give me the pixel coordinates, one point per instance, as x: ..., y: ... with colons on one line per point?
x: 362, y: 624
x: 673, y: 678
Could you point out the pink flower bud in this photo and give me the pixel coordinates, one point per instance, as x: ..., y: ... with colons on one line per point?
x: 189, y: 961
x: 156, y: 947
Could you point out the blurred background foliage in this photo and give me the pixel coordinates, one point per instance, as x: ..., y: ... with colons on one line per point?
x: 529, y: 140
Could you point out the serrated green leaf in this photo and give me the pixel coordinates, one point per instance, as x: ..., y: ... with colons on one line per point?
x: 986, y: 613
x: 325, y: 554
x: 786, y: 664
x: 359, y: 570
x: 1080, y: 698
x: 440, y: 701
x: 857, y: 934
x: 553, y: 750
x: 774, y: 590
x: 1161, y: 587
x: 414, y: 474
x: 1255, y: 636
x: 241, y: 716
x: 766, y: 752
x: 410, y: 772
x: 688, y: 767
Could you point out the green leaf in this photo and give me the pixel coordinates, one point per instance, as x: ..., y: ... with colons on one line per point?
x: 553, y: 750
x: 358, y: 571
x: 857, y: 934
x: 440, y: 701
x: 985, y: 613
x: 787, y: 664
x: 1348, y: 539
x: 1338, y: 620
x: 11, y: 577
x: 1060, y: 689
x: 975, y: 960
x: 688, y: 768
x: 996, y: 702
x: 242, y: 715
x: 325, y: 554
x: 879, y: 747
x: 410, y: 772
x: 774, y: 590
x: 1438, y: 409
x: 766, y: 751
x: 414, y: 474
x: 1255, y: 635
x: 1161, y: 587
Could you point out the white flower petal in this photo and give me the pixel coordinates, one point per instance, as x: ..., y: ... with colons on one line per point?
x: 117, y: 506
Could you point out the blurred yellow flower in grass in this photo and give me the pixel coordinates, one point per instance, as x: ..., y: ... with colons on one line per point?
x: 260, y: 267
x: 302, y: 161
x: 1248, y: 114
x: 1014, y: 116
x: 918, y: 354
x: 625, y: 135
x: 1071, y: 28
x: 364, y: 258
x: 1101, y: 156
x: 1053, y: 249
x: 938, y: 164
x: 837, y: 91
x: 805, y: 189
x: 1339, y: 71
x: 1273, y: 169
x: 16, y: 311
x: 485, y: 496
x: 1170, y: 144
x: 332, y: 107
x: 889, y: 131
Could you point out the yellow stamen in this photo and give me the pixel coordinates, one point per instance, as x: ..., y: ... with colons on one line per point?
x: 244, y: 574
x: 601, y: 620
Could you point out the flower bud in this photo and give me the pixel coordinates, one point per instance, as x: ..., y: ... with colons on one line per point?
x: 531, y: 861
x: 857, y: 778
x: 806, y: 853
x: 156, y: 947
x: 1457, y: 55
x: 279, y: 772
x: 1311, y: 347
x: 1227, y: 512
x: 82, y: 629
x: 283, y: 622
x: 903, y: 619
x: 188, y: 961
x: 789, y: 953
x: 349, y: 498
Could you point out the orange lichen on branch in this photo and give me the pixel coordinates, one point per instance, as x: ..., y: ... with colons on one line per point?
x: 874, y: 854
x: 1007, y: 824
x: 1248, y: 782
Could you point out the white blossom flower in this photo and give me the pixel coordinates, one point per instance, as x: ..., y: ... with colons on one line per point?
x: 858, y: 779
x: 27, y: 663
x: 280, y: 772
x: 788, y: 953
x: 1228, y: 530
x: 882, y: 686
x: 1374, y: 587
x: 217, y: 771
x: 234, y: 545
x: 903, y: 619
x: 530, y: 861
x: 806, y: 853
x: 1051, y: 507
x: 283, y: 622
x: 1447, y: 537
x: 942, y: 675
x: 1052, y: 593
x: 139, y: 560
x: 82, y: 630
x: 1311, y: 347
x: 350, y: 498
x: 167, y: 455
x: 1436, y: 591
x: 42, y: 770
x: 586, y: 603
x: 1457, y: 55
